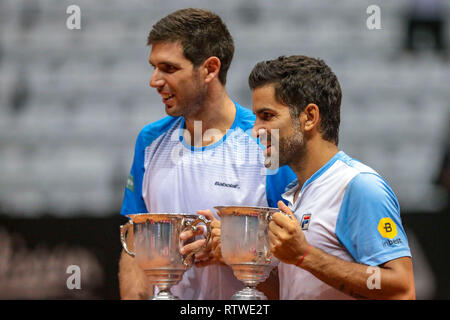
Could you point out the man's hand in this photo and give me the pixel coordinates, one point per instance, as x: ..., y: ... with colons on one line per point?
x: 209, y: 254
x: 216, y: 248
x: 286, y: 238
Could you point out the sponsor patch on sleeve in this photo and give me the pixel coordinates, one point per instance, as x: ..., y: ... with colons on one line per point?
x: 130, y: 183
x: 387, y: 228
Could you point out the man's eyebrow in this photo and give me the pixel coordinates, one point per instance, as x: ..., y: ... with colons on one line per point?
x: 167, y: 63
x: 265, y: 109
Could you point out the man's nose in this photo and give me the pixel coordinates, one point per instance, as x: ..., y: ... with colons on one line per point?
x: 257, y: 131
x: 156, y: 80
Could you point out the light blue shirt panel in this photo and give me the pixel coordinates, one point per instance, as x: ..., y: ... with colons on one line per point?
x: 367, y: 199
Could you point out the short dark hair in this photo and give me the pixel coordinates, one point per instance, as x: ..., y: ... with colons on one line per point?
x: 300, y: 80
x: 202, y: 34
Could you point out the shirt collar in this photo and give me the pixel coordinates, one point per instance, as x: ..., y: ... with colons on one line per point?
x: 293, y: 187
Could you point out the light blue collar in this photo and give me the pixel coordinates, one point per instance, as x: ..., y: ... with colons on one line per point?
x: 216, y: 144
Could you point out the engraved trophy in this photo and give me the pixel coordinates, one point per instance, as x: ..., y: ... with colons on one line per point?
x: 245, y: 246
x: 157, y: 247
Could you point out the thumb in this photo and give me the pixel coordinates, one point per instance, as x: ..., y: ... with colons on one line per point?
x: 283, y: 207
x: 208, y: 214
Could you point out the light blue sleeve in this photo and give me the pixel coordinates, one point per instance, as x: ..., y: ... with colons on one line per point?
x: 276, y: 185
x: 369, y: 223
x: 133, y: 201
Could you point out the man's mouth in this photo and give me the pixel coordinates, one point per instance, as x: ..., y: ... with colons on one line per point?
x: 267, y: 150
x: 166, y: 97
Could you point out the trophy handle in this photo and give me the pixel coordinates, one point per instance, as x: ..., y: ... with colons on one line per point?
x: 268, y: 216
x: 193, y: 227
x: 123, y: 236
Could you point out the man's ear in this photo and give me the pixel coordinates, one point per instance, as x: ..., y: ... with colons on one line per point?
x: 311, y: 117
x: 212, y: 68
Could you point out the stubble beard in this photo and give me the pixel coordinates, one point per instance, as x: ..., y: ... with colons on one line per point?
x: 193, y: 106
x: 194, y: 101
x: 290, y: 149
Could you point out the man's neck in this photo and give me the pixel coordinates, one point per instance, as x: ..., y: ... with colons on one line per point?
x: 212, y: 122
x: 317, y: 154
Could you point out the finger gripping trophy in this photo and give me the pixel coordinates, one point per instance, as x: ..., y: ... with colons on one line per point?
x: 157, y: 246
x: 245, y: 246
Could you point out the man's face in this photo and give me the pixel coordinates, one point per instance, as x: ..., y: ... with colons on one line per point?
x: 176, y: 80
x: 281, y: 134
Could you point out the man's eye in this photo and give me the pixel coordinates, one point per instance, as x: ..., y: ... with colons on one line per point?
x: 267, y: 116
x: 169, y: 69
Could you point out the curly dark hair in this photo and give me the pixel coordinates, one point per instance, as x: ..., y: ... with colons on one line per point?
x: 299, y: 81
x: 202, y: 34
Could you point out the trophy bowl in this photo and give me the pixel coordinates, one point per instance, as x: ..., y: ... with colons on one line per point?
x: 245, y: 246
x: 157, y: 246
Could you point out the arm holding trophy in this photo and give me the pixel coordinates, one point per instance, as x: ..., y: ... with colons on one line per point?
x: 289, y: 245
x: 132, y: 279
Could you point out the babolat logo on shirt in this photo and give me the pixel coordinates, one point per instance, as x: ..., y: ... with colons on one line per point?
x: 228, y: 185
x: 388, y: 229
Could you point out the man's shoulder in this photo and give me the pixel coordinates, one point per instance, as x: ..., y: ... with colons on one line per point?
x: 245, y: 117
x: 369, y: 187
x: 369, y: 184
x: 365, y: 181
x: 155, y: 129
x: 355, y: 164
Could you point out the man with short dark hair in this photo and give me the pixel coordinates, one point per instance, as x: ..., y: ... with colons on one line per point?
x: 202, y: 155
x: 341, y: 235
x: 201, y: 33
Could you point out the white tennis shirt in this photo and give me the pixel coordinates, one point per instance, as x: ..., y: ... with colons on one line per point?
x: 170, y: 176
x: 347, y: 210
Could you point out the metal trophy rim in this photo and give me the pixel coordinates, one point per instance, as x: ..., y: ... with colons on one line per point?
x: 173, y: 214
x: 251, y: 210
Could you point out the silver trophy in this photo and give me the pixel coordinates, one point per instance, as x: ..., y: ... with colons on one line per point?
x: 245, y: 246
x: 157, y: 247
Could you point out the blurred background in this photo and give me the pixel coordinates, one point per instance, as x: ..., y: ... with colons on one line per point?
x: 72, y: 102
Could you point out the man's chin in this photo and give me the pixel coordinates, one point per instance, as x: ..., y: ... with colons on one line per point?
x: 271, y: 162
x: 172, y: 111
